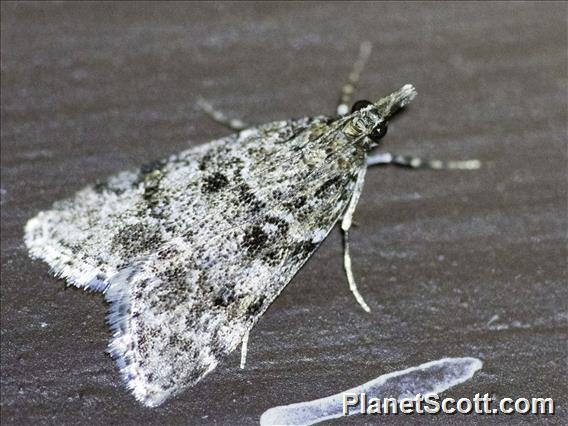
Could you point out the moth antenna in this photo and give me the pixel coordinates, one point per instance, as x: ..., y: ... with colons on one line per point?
x: 219, y: 116
x: 353, y: 77
x: 421, y: 163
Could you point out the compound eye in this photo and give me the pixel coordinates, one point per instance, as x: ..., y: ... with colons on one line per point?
x: 359, y: 105
x: 379, y: 132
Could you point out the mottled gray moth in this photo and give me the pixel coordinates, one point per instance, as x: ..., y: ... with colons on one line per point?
x: 190, y: 251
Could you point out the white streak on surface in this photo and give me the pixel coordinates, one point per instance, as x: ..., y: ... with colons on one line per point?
x: 432, y: 377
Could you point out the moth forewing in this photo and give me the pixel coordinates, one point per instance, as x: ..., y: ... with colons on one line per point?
x: 193, y: 249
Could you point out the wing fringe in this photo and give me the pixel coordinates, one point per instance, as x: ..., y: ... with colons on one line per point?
x: 122, y: 344
x: 62, y: 261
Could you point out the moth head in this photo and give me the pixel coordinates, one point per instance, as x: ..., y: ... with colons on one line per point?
x: 377, y: 126
x: 369, y: 120
x: 365, y: 120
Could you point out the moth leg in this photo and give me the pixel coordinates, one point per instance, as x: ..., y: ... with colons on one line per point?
x: 244, y: 349
x: 346, y: 223
x: 353, y: 78
x: 219, y: 117
x: 421, y: 163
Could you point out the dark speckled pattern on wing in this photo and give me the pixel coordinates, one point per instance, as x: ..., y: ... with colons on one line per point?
x: 195, y: 248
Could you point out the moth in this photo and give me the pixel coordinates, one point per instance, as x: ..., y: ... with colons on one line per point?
x: 191, y: 250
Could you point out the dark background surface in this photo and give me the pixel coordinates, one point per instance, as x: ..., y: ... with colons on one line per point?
x: 451, y: 263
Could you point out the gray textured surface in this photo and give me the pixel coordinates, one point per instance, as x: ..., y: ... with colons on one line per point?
x: 88, y: 90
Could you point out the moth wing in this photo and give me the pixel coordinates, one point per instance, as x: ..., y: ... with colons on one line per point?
x: 176, y: 314
x: 75, y: 236
x: 88, y: 238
